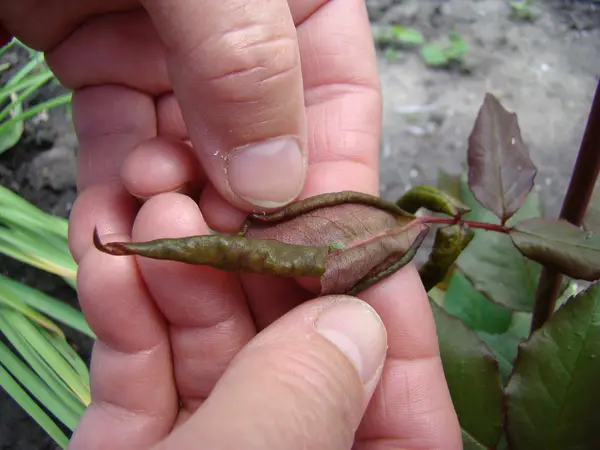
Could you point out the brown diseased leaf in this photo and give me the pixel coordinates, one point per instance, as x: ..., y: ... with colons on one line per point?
x: 559, y: 245
x: 501, y: 174
x: 365, y: 239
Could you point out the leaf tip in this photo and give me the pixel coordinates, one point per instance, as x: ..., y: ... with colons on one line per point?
x: 112, y: 248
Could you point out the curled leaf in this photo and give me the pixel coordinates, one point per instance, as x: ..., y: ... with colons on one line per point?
x: 433, y: 199
x: 559, y: 245
x: 348, y: 245
x: 369, y: 240
x: 229, y: 253
x: 501, y: 174
x: 449, y: 242
x: 327, y: 200
x: 377, y: 275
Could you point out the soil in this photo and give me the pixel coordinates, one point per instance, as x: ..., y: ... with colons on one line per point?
x: 546, y: 71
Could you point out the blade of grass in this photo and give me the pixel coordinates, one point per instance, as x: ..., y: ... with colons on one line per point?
x: 33, y: 80
x: 71, y: 356
x: 7, y: 47
x: 14, y: 302
x: 18, y: 220
x: 48, y: 305
x: 38, y: 388
x: 12, y: 201
x: 34, y: 110
x: 26, y: 402
x: 37, y: 252
x: 31, y: 65
x: 30, y: 334
x: 44, y: 372
x: 9, y: 137
x: 33, y: 84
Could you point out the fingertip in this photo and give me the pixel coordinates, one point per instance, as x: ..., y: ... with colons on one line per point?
x: 104, y: 208
x: 169, y: 215
x: 220, y: 215
x: 161, y: 165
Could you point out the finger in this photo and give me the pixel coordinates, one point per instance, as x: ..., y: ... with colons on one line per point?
x: 343, y: 105
x: 235, y: 69
x: 304, y: 382
x: 343, y: 98
x: 158, y: 166
x: 169, y: 118
x: 131, y: 357
x: 220, y: 215
x: 411, y: 407
x: 122, y: 49
x: 110, y: 122
x: 107, y: 207
x: 206, y: 310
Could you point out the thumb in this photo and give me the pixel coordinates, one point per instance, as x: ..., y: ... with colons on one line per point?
x: 235, y: 70
x: 304, y: 382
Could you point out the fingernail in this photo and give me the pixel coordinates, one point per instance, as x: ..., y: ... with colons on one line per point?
x: 268, y: 174
x: 356, y: 329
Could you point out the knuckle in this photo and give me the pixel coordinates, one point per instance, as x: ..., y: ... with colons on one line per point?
x: 241, y: 64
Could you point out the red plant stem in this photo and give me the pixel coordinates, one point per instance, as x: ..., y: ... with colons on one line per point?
x: 423, y: 221
x: 577, y: 198
x: 471, y: 223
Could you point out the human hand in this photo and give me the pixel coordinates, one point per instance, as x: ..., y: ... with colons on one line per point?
x: 191, y: 348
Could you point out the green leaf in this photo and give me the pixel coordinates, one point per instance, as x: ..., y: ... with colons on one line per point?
x: 553, y: 395
x: 492, y: 263
x: 458, y: 47
x: 505, y: 345
x: 431, y: 198
x: 473, y: 379
x: 473, y: 308
x: 43, y: 356
x: 408, y: 35
x: 449, y: 242
x: 434, y: 55
x: 46, y: 304
x: 49, y: 395
x: 13, y: 389
x: 469, y: 443
x: 561, y: 246
x: 16, y: 303
x: 11, y: 133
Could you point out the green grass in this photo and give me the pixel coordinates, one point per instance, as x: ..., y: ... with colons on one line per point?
x: 38, y: 368
x: 21, y: 86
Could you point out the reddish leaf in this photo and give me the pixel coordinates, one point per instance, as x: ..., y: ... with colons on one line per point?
x: 501, y: 174
x: 346, y: 246
x: 559, y: 245
x: 366, y: 240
